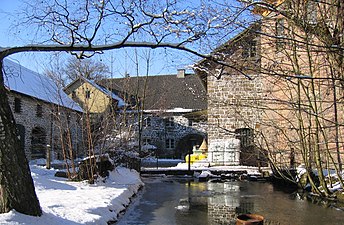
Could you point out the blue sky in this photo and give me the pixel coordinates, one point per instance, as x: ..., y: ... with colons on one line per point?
x: 119, y: 61
x: 8, y: 14
x: 7, y: 6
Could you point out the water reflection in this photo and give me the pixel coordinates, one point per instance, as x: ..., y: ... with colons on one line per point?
x: 179, y: 201
x: 224, y: 201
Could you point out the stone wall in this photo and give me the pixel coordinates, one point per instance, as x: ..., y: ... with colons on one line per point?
x: 50, y: 124
x: 224, y: 152
x: 233, y: 103
x: 234, y: 92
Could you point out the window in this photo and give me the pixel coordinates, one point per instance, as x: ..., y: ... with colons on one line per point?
x: 311, y: 12
x: 38, y: 142
x: 147, y: 122
x: 129, y: 120
x: 73, y: 95
x: 279, y: 27
x: 169, y: 122
x: 170, y: 143
x: 146, y: 141
x: 190, y: 122
x: 250, y: 50
x: 17, y: 105
x: 39, y: 110
x: 68, y: 117
x: 280, y: 35
x: 87, y: 94
x: 245, y: 135
x: 279, y: 45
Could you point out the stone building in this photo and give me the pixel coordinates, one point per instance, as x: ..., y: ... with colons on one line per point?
x: 173, y: 108
x: 280, y: 91
x: 92, y: 97
x: 234, y: 95
x: 46, y: 117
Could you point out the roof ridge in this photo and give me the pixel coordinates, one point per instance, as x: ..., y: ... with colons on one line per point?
x: 143, y: 76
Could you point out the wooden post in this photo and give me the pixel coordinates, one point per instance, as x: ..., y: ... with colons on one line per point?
x: 189, y: 163
x: 48, y: 158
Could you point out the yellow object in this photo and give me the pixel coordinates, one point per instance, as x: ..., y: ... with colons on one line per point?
x: 195, y: 156
x: 204, y: 146
x: 202, y: 156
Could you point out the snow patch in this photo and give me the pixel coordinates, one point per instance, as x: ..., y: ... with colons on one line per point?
x: 72, y: 203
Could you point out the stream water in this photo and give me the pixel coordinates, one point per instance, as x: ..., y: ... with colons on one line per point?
x: 177, y: 200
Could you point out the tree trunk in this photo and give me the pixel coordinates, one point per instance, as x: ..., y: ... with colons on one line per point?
x: 17, y: 190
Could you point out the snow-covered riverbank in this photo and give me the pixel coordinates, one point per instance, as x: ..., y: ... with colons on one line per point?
x: 71, y: 203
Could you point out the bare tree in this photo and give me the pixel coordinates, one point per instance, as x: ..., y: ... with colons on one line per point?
x: 85, y: 28
x: 75, y: 68
x: 292, y: 60
x: 302, y: 67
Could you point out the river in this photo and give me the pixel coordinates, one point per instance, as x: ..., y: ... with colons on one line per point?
x: 179, y: 201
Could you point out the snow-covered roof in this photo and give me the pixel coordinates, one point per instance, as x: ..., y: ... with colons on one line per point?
x: 175, y: 110
x: 22, y: 80
x: 107, y: 92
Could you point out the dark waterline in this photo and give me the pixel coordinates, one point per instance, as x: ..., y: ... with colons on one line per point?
x: 168, y: 201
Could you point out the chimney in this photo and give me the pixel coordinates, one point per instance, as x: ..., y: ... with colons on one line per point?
x: 181, y: 73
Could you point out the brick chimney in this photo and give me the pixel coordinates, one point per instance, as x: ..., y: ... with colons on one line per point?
x: 181, y: 73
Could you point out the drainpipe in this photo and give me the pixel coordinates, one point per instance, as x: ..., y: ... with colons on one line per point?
x: 48, y: 155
